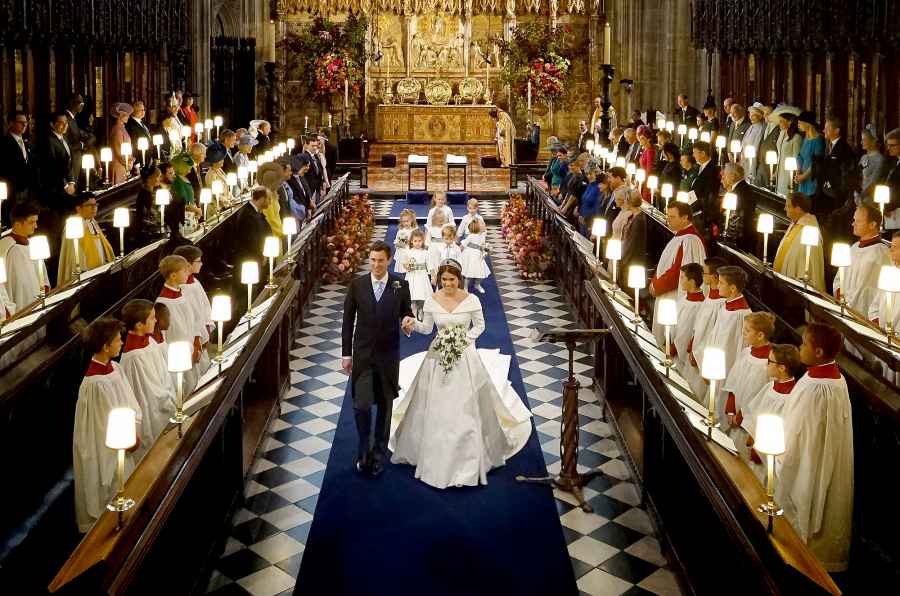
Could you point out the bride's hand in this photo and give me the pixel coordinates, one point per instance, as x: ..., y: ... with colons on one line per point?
x: 408, y: 325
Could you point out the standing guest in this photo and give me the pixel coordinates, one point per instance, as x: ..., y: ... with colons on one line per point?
x: 301, y: 206
x: 596, y: 115
x: 815, y: 473
x: 23, y: 279
x: 685, y: 113
x: 229, y: 140
x: 574, y: 184
x: 705, y: 322
x: 171, y: 132
x: 892, y: 178
x: 246, y: 143
x: 188, y: 115
x: 685, y: 247
x: 753, y: 138
x: 583, y: 136
x: 103, y: 389
x: 769, y: 143
x: 872, y: 165
x: 248, y: 245
x: 712, y: 121
x: 837, y: 167
x: 314, y: 177
x: 688, y: 172
x: 271, y: 176
x: 144, y: 364
x: 728, y: 123
x: 323, y: 161
x: 790, y: 258
x: 647, y: 158
x: 215, y: 159
x: 146, y: 217
x: 94, y: 249
x: 788, y: 145
x: 634, y: 147
x: 632, y: 231
x: 616, y: 185
x: 636, y: 120
x: 618, y: 141
x: 263, y: 129
x: 727, y: 332
x: 181, y: 189
x: 285, y: 192
x: 750, y: 371
x: 741, y: 227
x: 809, y: 160
x: 588, y: 205
x: 552, y: 145
x: 56, y: 165
x: 669, y: 167
x: 860, y: 285
x: 197, y: 176
x: 739, y: 127
x: 329, y: 152
x: 16, y: 168
x: 78, y: 140
x: 119, y: 168
x: 137, y: 129
x: 706, y: 186
x: 183, y: 322
x: 690, y: 305
x: 559, y: 169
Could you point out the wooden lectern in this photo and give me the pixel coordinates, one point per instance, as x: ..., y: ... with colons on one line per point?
x: 568, y: 478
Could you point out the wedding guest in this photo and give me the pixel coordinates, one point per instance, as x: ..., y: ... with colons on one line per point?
x: 670, y: 168
x: 188, y: 115
x: 647, y: 158
x: 146, y: 220
x: 790, y: 258
x: 742, y: 224
x: 838, y: 164
x: 739, y: 127
x: 872, y: 165
x: 588, y: 205
x: 16, y: 163
x: 769, y: 142
x: 632, y: 231
x: 688, y: 172
x: 860, y: 280
x: 809, y: 160
x: 634, y: 147
x: 892, y: 177
x: 137, y: 129
x: 197, y: 175
x: 229, y: 140
x: 77, y: 139
x: 706, y: 187
x: 753, y: 138
x: 246, y: 143
x: 878, y: 311
x: 788, y: 145
x: 171, y: 131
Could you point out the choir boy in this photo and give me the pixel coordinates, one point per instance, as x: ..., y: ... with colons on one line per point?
x: 690, y: 303
x: 23, y: 279
x: 727, y: 334
x: 196, y: 295
x: 183, y: 323
x: 705, y: 321
x: 750, y: 371
x: 860, y: 287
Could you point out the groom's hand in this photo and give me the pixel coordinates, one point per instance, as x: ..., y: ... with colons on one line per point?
x: 408, y: 325
x: 347, y: 364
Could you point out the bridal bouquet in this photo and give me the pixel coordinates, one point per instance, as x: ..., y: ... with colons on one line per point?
x: 450, y: 343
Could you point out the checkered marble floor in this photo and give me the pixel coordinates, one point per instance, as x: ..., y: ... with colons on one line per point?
x: 613, y: 550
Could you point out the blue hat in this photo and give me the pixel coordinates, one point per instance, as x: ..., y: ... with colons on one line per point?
x: 215, y: 152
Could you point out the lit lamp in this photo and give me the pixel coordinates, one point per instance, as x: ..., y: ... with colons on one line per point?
x: 121, y: 220
x: 790, y: 166
x: 769, y: 440
x: 630, y: 169
x: 221, y: 312
x: 772, y: 161
x: 882, y: 197
x: 163, y: 197
x: 613, y: 255
x: 39, y: 250
x: 667, y: 193
x: 682, y: 130
x: 4, y: 193
x: 217, y: 121
x: 249, y: 276
x: 291, y: 143
x: 603, y: 153
x: 693, y: 133
x: 640, y: 175
x: 231, y: 180
x: 106, y: 157
x: 205, y: 200
x: 75, y: 232
x: 217, y: 189
x: 765, y: 226
x: 889, y: 283
x: 2, y: 280
x: 252, y: 168
x: 289, y: 228
x: 87, y: 164
x: 620, y: 162
x: 143, y: 144
x: 282, y: 148
x: 271, y: 249
x: 712, y: 369
x: 242, y: 175
x: 720, y: 145
x: 180, y: 360
x: 598, y: 231
x: 157, y: 142
x: 121, y: 435
x: 652, y: 184
x: 667, y: 316
x: 589, y: 145
x: 637, y: 280
x: 670, y: 126
x: 126, y: 151
x: 705, y: 136
x: 809, y: 237
x: 729, y: 204
x: 840, y: 258
x: 660, y: 123
x: 749, y: 155
x: 198, y: 130
x: 682, y: 196
x: 185, y: 133
x: 208, y: 124
x: 735, y: 149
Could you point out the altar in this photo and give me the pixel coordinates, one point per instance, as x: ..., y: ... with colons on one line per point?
x: 439, y: 124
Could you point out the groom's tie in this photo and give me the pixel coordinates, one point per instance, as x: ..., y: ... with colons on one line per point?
x: 379, y: 290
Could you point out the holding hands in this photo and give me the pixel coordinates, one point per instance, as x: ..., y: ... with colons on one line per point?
x: 407, y: 325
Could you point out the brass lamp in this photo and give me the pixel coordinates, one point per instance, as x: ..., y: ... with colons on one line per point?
x: 712, y: 368
x: 75, y: 232
x: 769, y: 440
x: 121, y: 435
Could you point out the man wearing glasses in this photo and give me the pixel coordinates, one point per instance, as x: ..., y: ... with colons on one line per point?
x: 891, y: 216
x: 15, y: 162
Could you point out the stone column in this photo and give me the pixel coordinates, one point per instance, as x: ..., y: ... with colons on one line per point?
x: 201, y: 65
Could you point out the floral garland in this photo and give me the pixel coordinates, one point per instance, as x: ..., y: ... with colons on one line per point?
x: 347, y: 239
x: 548, y: 77
x: 542, y: 55
x: 450, y: 343
x: 523, y: 233
x: 332, y: 70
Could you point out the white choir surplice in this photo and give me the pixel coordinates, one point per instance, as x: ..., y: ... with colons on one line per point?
x: 689, y: 307
x: 104, y: 388
x: 768, y: 400
x: 728, y: 336
x: 815, y: 473
x: 685, y: 247
x: 22, y: 274
x: 748, y: 375
x: 184, y: 326
x: 144, y: 364
x: 703, y: 326
x: 861, y: 277
x: 878, y: 313
x: 195, y: 294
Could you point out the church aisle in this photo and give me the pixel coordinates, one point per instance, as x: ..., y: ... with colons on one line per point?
x: 612, y: 552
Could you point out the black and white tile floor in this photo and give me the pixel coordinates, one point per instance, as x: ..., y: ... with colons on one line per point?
x: 613, y: 550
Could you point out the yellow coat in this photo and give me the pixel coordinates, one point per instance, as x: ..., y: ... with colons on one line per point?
x: 89, y: 255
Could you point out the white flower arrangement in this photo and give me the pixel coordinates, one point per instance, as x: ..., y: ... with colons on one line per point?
x: 450, y: 343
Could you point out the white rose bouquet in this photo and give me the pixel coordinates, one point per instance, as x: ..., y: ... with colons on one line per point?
x: 450, y: 343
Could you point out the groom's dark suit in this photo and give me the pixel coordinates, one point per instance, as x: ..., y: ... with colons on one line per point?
x: 374, y: 345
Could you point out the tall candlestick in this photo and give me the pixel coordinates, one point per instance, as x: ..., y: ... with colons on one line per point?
x: 607, y: 44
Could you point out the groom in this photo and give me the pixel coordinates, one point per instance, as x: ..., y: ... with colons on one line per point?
x: 378, y: 302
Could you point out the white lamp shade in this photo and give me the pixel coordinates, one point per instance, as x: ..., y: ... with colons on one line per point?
x: 729, y: 201
x: 282, y: 146
x: 180, y: 356
x: 705, y: 136
x: 250, y: 272
x: 106, y: 154
x: 87, y: 161
x: 217, y: 120
x: 121, y: 428
x: 692, y: 134
x: 597, y: 151
x: 652, y: 182
x: 289, y: 226
x: 163, y: 196
x: 630, y: 169
x: 889, y: 279
x: 613, y: 249
x: 765, y: 224
x: 221, y: 308
x: 713, y: 365
x: 589, y: 145
x: 721, y: 141
x: 667, y: 190
x: 4, y: 192
x: 242, y: 173
x: 769, y: 435
x: 231, y: 178
x: 208, y: 123
x: 603, y: 151
x: 637, y: 277
x: 2, y: 270
x: 38, y: 248
x: 125, y: 149
x: 790, y: 164
x: 121, y: 217
x: 882, y: 194
x: 620, y: 162
x: 271, y: 247
x: 640, y: 175
x: 205, y: 196
x: 682, y: 196
x: 291, y: 143
x: 157, y: 140
x: 735, y: 146
x: 198, y: 128
x: 809, y: 236
x: 750, y: 152
x: 74, y: 227
x: 185, y: 131
x: 598, y: 228
x: 670, y: 126
x: 667, y: 312
x: 840, y: 254
x: 771, y: 158
x: 143, y: 144
x: 217, y: 187
x: 660, y: 123
x: 682, y: 129
x: 253, y: 167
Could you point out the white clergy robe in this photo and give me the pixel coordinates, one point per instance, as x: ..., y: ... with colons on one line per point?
x: 860, y: 286
x: 183, y: 326
x: 685, y: 247
x: 195, y: 294
x: 94, y: 250
x: 703, y: 325
x: 768, y: 400
x: 689, y: 306
x: 23, y: 275
x: 878, y: 315
x: 104, y: 388
x: 727, y: 335
x: 144, y: 364
x: 790, y: 258
x: 815, y: 473
x: 7, y: 306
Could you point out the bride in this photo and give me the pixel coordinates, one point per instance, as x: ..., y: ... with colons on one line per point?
x: 455, y: 426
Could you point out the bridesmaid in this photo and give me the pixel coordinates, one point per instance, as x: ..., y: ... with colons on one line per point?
x: 118, y: 135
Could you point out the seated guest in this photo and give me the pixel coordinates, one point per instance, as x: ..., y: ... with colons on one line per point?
x: 103, y: 389
x: 94, y: 249
x: 301, y: 205
x: 215, y: 158
x: 246, y: 143
x: 197, y: 175
x: 271, y: 176
x: 23, y: 279
x: 685, y: 247
x: 815, y: 473
x: 146, y: 218
x: 742, y: 224
x: 790, y: 259
x: 750, y: 371
x: 860, y: 285
x: 727, y: 333
x: 631, y: 225
x: 144, y: 364
x: 587, y: 207
x: 183, y: 323
x: 195, y: 294
x: 705, y: 321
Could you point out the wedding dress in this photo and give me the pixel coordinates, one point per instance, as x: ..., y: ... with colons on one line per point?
x: 456, y: 426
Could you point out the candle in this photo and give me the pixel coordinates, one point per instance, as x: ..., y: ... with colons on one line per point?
x: 329, y: 120
x: 305, y: 122
x: 529, y: 96
x: 346, y: 93
x: 607, y: 44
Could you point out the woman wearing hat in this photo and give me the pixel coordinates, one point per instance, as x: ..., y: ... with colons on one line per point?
x: 188, y: 116
x: 215, y: 157
x: 118, y: 170
x: 811, y: 153
x: 753, y: 138
x: 788, y: 145
x: 246, y: 143
x: 872, y: 164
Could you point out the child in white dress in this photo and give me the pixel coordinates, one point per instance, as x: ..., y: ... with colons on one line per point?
x: 474, y: 266
x: 416, y: 267
x: 435, y: 240
x: 448, y: 249
x: 401, y: 240
x: 439, y: 205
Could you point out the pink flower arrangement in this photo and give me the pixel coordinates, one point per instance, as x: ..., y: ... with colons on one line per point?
x: 332, y: 69
x: 347, y: 239
x: 523, y: 234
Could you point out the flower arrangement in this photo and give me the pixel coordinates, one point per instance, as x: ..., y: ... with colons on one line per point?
x: 539, y: 53
x: 450, y: 343
x: 548, y: 77
x: 332, y: 69
x: 523, y: 233
x: 347, y: 239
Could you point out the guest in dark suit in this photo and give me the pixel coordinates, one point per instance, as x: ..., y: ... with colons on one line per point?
x: 375, y: 307
x: 56, y: 165
x: 330, y: 151
x: 583, y: 136
x: 260, y: 130
x: 741, y: 226
x: 314, y: 177
x: 78, y: 140
x: 838, y: 167
x: 740, y: 126
x: 632, y: 153
x: 228, y: 139
x: 685, y: 113
x: 248, y: 244
x: 137, y: 129
x: 706, y: 187
x: 303, y: 199
x: 16, y: 168
x: 892, y: 176
x: 197, y: 175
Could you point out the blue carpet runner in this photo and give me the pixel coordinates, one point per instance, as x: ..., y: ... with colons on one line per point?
x: 396, y: 536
